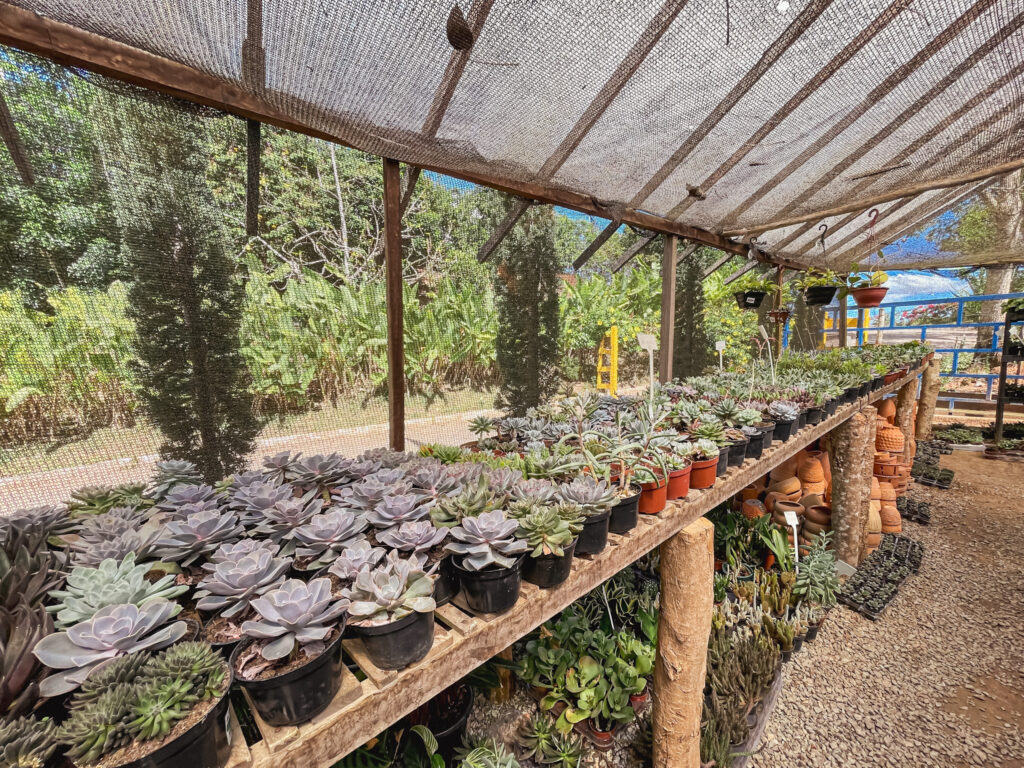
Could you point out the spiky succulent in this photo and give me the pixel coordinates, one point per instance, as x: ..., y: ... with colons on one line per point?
x: 99, y: 727
x: 354, y: 558
x: 536, y: 491
x: 169, y: 474
x: 91, y: 551
x: 473, y: 500
x: 92, y: 500
x: 21, y: 628
x: 114, y: 631
x: 122, y: 670
x: 389, y: 592
x: 110, y: 583
x: 395, y: 510
x: 27, y: 742
x: 595, y: 496
x: 158, y: 706
x: 485, y: 541
x: 295, y: 614
x: 194, y: 662
x: 708, y: 429
x: 325, y: 535
x: 252, y: 501
x: 185, y: 541
x: 481, y: 425
x: 418, y: 536
x: 231, y: 585
x: 545, y: 532
x: 233, y: 550
x: 281, y: 467
x: 446, y: 454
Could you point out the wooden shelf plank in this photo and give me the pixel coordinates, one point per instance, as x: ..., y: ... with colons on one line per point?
x: 473, y: 640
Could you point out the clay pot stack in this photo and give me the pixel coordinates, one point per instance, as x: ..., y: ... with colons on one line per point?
x: 873, y: 532
x: 892, y: 522
x: 811, y: 475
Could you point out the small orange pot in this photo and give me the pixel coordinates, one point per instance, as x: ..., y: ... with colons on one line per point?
x: 769, y: 560
x: 679, y: 482
x: 702, y: 473
x: 869, y: 297
x: 653, y: 497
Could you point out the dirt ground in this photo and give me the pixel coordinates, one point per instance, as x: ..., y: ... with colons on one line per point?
x: 939, y: 679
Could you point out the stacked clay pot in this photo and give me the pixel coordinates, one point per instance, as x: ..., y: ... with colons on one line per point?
x: 811, y: 475
x: 889, y: 438
x: 873, y: 532
x: 887, y: 409
x: 888, y: 513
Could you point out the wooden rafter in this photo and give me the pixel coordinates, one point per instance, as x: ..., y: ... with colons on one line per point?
x: 504, y: 227
x: 921, y: 103
x: 879, y: 92
x: 851, y: 49
x: 632, y: 251
x: 11, y: 137
x: 613, y: 85
x: 752, y: 264
x: 253, y: 163
x: 716, y: 266
x: 775, y: 51
x: 596, y: 243
x: 410, y: 187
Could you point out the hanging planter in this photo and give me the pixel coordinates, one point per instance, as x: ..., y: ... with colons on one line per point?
x: 749, y: 299
x: 751, y: 290
x: 820, y: 295
x: 868, y: 290
x: 779, y: 316
x: 867, y: 298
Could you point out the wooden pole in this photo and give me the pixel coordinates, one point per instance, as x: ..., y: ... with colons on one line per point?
x: 906, y: 399
x: 668, y: 308
x: 929, y: 395
x: 687, y: 600
x: 841, y: 318
x: 779, y: 273
x: 393, y: 288
x: 253, y: 150
x: 852, y: 453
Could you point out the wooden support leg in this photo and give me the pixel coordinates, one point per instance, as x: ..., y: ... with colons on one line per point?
x: 852, y: 456
x: 929, y: 394
x: 668, y: 308
x: 687, y: 600
x: 393, y: 296
x: 906, y: 398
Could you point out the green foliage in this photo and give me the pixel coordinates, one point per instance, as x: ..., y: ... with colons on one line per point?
x: 692, y: 351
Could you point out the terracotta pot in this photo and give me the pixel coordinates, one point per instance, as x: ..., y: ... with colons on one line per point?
x: 814, y: 528
x: 603, y: 739
x: 891, y: 520
x: 810, y: 470
x: 702, y: 473
x: 811, y: 500
x: 819, y: 514
x: 769, y: 560
x: 888, y: 493
x: 679, y: 482
x: 811, y: 488
x: 653, y: 497
x: 786, y: 487
x: 887, y: 409
x: 753, y: 509
x: 750, y: 492
x: 876, y: 489
x: 781, y: 507
x: 771, y: 497
x: 869, y: 297
x: 890, y: 439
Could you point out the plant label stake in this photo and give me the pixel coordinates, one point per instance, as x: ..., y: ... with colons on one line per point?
x: 794, y: 523
x: 720, y: 348
x: 648, y: 343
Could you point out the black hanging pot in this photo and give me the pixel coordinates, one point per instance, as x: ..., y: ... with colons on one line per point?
x: 399, y: 643
x: 624, y: 514
x: 299, y: 694
x: 749, y: 299
x: 204, y: 745
x: 594, y: 536
x: 492, y: 590
x: 783, y: 429
x: 547, y: 571
x: 737, y: 452
x: 815, y: 414
x: 723, y: 461
x: 446, y: 586
x: 819, y: 295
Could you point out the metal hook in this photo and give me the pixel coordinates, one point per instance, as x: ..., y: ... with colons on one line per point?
x: 873, y: 215
x: 823, y: 228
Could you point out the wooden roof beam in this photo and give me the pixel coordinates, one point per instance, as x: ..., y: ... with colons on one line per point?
x: 879, y: 92
x: 596, y: 243
x: 775, y: 51
x: 410, y: 188
x: 633, y: 250
x: 716, y: 266
x: 851, y: 49
x: 504, y: 227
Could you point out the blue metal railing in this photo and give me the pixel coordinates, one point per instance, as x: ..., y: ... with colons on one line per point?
x: 890, y: 308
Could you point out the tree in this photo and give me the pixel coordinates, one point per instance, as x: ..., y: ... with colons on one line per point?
x: 186, y: 298
x: 691, y: 352
x: 528, y: 319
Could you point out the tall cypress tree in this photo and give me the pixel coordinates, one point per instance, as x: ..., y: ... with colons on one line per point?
x: 529, y: 324
x: 691, y: 352
x: 186, y: 296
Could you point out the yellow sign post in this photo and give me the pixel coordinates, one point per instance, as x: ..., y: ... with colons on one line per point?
x: 608, y: 362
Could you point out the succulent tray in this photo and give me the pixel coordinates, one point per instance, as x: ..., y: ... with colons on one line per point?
x: 877, y: 580
x: 940, y: 478
x: 915, y: 511
x: 762, y: 712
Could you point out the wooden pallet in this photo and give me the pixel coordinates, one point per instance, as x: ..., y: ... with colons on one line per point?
x: 463, y: 641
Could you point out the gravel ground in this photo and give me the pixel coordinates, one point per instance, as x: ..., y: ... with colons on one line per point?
x: 939, y: 679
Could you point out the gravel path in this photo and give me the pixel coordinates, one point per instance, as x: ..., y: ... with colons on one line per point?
x: 939, y: 679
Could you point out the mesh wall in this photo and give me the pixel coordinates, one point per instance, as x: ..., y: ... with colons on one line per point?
x: 770, y: 110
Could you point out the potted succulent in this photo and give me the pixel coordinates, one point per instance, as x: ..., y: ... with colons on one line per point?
x: 324, y: 536
x: 422, y: 537
x: 785, y: 414
x: 489, y: 560
x: 705, y: 462
x: 289, y: 660
x: 391, y: 609
x: 751, y: 290
x: 596, y: 499
x: 868, y: 289
x: 677, y: 459
x: 819, y: 286
x: 165, y: 710
x: 551, y: 542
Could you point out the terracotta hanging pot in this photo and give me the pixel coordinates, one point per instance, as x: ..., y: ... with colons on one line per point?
x: 889, y: 438
x: 753, y: 509
x: 869, y: 297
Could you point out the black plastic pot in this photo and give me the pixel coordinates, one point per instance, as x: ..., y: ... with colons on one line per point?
x: 723, y: 461
x: 783, y: 429
x: 850, y: 394
x: 624, y: 514
x: 877, y: 383
x: 812, y: 632
x: 450, y: 727
x: 767, y: 428
x: 447, y: 584
x: 594, y: 536
x: 493, y: 590
x: 737, y: 452
x: 204, y: 745
x: 801, y: 420
x: 819, y: 295
x: 755, y: 446
x: 298, y: 695
x: 815, y: 414
x: 831, y: 405
x: 749, y: 299
x: 549, y: 571
x: 865, y: 388
x: 400, y: 643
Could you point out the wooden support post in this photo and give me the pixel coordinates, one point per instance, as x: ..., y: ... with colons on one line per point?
x: 393, y: 288
x: 253, y: 149
x: 779, y: 275
x: 929, y: 394
x: 852, y: 453
x: 841, y: 320
x: 668, y: 308
x: 687, y: 600
x: 906, y: 399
